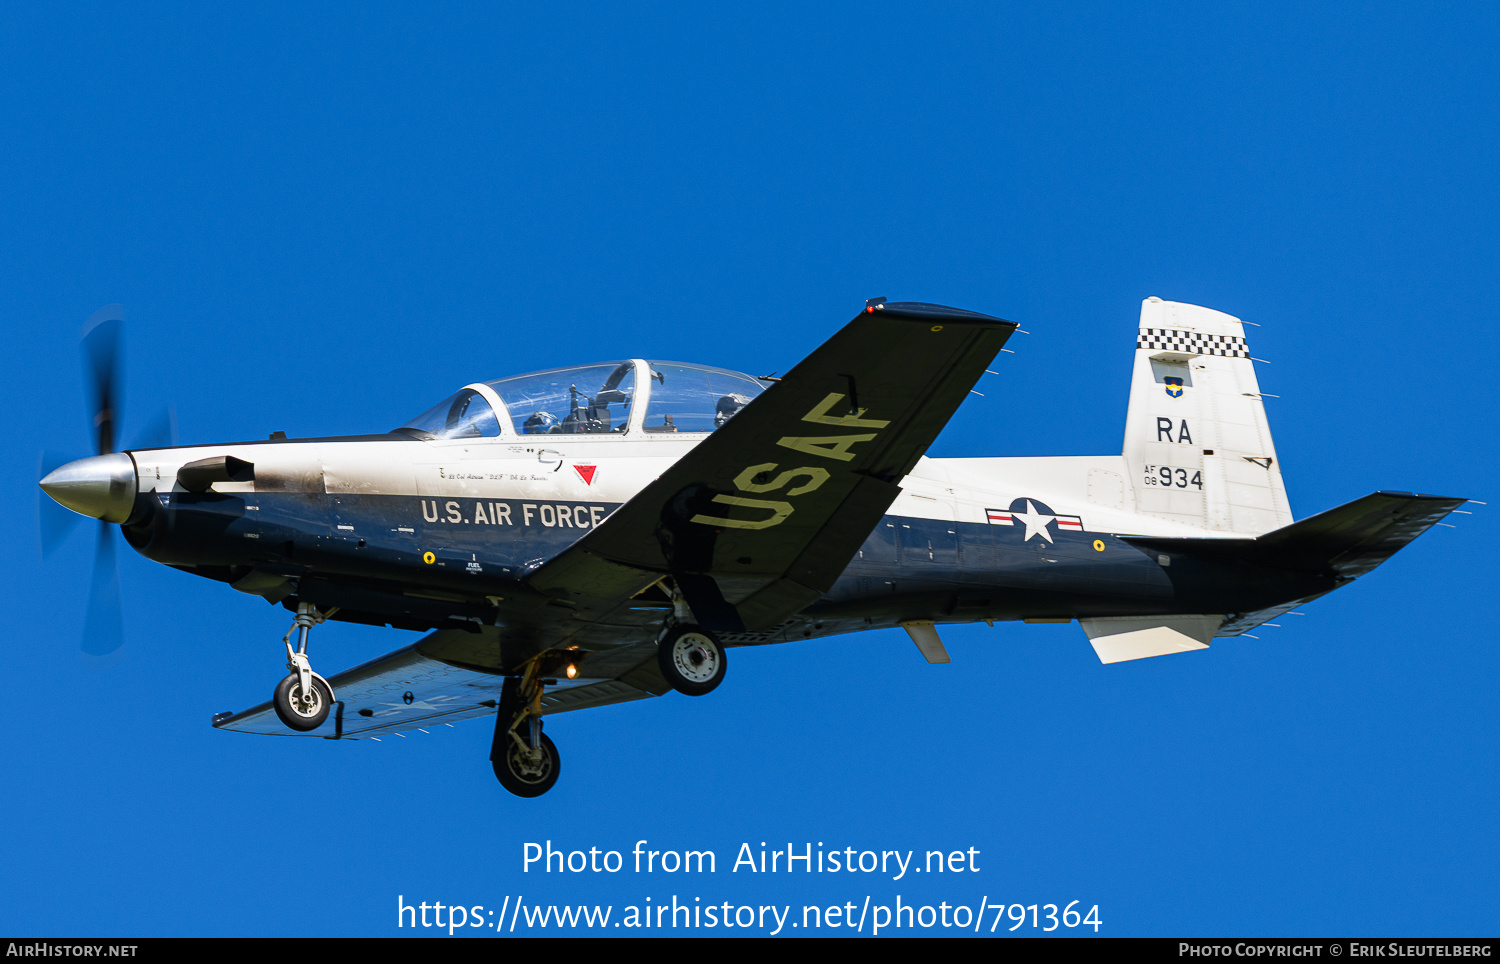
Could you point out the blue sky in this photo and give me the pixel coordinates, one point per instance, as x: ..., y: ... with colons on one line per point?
x: 323, y: 221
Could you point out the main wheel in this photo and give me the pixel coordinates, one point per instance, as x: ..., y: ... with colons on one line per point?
x: 302, y: 714
x: 692, y: 660
x: 524, y: 776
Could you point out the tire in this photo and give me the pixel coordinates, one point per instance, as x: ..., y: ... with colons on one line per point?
x: 288, y: 703
x: 520, y: 776
x: 692, y: 660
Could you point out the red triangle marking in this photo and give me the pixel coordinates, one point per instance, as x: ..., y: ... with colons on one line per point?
x: 586, y: 472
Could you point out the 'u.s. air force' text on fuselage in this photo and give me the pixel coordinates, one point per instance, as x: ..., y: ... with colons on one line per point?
x: 512, y: 512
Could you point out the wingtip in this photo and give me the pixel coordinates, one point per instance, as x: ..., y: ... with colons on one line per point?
x: 922, y: 311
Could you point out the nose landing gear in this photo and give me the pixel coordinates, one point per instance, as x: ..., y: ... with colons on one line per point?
x: 302, y: 699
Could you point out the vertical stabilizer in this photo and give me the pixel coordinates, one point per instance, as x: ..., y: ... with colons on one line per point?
x: 1197, y: 444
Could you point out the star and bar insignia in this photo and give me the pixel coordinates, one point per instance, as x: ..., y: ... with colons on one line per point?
x: 1036, y: 517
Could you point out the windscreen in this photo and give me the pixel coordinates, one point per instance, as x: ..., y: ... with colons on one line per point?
x: 464, y: 414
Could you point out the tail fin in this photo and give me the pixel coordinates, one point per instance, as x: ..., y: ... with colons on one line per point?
x: 1197, y: 444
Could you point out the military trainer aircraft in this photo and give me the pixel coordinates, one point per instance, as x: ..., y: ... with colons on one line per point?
x: 593, y: 535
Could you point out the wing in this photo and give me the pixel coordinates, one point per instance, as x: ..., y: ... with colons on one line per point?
x: 761, y: 518
x: 406, y: 690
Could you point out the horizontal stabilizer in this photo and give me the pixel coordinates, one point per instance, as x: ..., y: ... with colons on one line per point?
x: 1120, y: 638
x: 1344, y: 542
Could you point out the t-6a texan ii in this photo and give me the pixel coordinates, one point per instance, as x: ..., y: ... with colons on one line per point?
x: 592, y: 535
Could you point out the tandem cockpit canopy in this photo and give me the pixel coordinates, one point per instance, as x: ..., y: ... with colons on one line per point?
x: 614, y: 398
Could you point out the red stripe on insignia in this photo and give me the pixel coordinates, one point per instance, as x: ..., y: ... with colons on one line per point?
x: 998, y: 517
x: 1070, y: 522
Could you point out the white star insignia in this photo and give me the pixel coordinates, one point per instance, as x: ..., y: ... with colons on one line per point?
x: 416, y: 705
x: 1035, y: 522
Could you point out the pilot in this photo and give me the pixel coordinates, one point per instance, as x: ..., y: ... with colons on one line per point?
x: 728, y: 407
x: 538, y: 423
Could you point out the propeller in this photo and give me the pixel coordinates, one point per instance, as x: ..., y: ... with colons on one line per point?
x: 101, y: 353
x: 101, y: 340
x: 104, y: 626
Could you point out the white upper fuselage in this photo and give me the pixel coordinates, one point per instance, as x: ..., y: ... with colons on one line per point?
x: 610, y: 469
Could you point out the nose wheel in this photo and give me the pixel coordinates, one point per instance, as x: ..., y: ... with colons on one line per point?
x: 302, y: 709
x: 302, y: 699
x: 692, y: 659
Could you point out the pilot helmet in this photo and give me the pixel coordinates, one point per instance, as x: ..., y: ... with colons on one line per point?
x: 538, y: 423
x: 728, y: 407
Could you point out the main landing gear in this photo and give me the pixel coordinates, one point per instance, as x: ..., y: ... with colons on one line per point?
x: 526, y: 762
x: 692, y: 659
x: 303, y: 698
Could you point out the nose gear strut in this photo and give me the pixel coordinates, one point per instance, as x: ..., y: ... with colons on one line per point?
x: 302, y: 699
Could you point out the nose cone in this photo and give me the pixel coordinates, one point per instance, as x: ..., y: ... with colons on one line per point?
x: 100, y: 487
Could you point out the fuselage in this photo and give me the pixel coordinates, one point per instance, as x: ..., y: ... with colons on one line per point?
x: 416, y: 533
